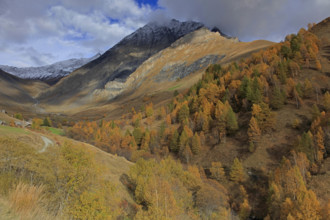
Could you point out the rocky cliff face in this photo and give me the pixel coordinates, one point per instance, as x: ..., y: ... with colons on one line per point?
x: 119, y: 61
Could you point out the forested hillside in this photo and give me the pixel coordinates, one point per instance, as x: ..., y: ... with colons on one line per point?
x: 252, y: 137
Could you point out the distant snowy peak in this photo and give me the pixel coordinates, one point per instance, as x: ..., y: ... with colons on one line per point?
x: 53, y: 71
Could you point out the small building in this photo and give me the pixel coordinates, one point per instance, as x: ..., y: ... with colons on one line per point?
x: 18, y: 124
x: 3, y: 111
x: 27, y: 124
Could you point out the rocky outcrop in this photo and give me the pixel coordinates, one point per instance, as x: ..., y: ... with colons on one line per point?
x: 179, y: 70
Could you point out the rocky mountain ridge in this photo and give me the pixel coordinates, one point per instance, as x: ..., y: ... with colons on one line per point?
x: 50, y: 72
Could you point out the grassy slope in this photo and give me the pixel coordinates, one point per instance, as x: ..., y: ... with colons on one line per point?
x: 56, y: 131
x: 114, y: 166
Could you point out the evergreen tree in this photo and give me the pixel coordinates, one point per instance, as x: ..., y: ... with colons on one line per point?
x: 277, y: 98
x: 282, y: 72
x: 183, y: 113
x: 254, y: 95
x: 305, y: 145
x: 137, y: 134
x: 174, y: 147
x: 183, y: 141
x: 47, y: 122
x: 196, y: 144
x: 232, y: 124
x: 146, y: 141
x: 162, y: 129
x: 315, y: 111
x: 285, y: 51
x: 245, y: 86
x: 18, y: 116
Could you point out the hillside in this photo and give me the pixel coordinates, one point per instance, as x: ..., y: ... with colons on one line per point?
x: 18, y: 94
x: 43, y: 157
x: 256, y: 130
x: 155, y: 77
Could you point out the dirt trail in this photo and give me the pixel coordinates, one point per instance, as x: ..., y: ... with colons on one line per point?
x: 47, y: 143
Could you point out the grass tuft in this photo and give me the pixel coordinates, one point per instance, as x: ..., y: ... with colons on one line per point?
x: 26, y: 200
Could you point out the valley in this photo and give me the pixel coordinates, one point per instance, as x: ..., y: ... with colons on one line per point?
x: 175, y: 121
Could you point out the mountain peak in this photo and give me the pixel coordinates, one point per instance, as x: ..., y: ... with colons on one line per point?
x: 161, y: 32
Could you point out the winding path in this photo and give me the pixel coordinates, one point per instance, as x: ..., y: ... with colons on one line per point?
x: 47, y: 143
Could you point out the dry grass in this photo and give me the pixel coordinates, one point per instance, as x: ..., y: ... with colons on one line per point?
x: 27, y: 202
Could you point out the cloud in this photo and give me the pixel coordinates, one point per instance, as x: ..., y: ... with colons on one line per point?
x: 250, y: 19
x: 39, y: 32
x: 81, y: 27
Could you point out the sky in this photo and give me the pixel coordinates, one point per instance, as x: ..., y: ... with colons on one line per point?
x: 41, y: 32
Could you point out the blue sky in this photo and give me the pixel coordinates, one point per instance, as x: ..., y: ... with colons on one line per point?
x: 152, y: 3
x: 40, y: 32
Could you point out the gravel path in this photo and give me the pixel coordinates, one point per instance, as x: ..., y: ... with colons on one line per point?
x: 47, y: 142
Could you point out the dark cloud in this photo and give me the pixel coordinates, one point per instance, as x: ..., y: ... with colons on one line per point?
x: 250, y: 19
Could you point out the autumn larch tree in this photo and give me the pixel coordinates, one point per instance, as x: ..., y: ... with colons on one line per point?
x: 326, y: 101
x: 183, y: 113
x: 319, y: 143
x: 237, y: 171
x: 254, y: 131
x: 308, y: 89
x: 217, y: 171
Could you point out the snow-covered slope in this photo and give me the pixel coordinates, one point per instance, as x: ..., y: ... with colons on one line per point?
x: 53, y: 71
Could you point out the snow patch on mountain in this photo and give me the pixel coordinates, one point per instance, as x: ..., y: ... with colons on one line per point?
x: 56, y: 70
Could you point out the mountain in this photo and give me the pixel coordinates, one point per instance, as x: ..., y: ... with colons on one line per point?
x: 119, y: 61
x: 17, y: 95
x: 157, y: 78
x: 49, y: 73
x: 14, y: 90
x: 155, y: 50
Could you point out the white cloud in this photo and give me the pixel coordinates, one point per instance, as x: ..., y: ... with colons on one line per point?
x: 64, y: 28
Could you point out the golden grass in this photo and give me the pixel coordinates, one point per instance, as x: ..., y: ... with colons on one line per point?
x: 27, y: 201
